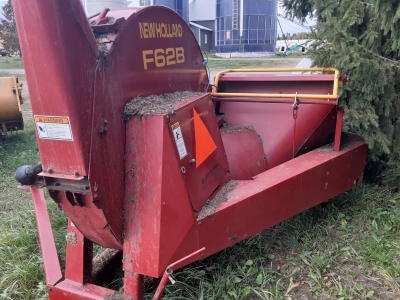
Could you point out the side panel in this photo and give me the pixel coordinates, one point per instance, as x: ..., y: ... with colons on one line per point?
x: 245, y: 154
x: 283, y: 192
x: 201, y: 180
x: 158, y: 213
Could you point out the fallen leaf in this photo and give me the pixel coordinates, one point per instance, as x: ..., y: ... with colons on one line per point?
x: 292, y: 286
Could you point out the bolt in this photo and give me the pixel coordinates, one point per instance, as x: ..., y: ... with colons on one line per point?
x: 183, y: 169
x: 77, y: 174
x: 49, y: 170
x: 192, y: 161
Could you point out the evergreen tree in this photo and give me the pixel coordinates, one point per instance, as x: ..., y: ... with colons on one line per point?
x: 8, y: 29
x: 362, y: 40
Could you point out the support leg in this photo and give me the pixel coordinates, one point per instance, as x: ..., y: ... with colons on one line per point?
x: 79, y: 256
x: 133, y: 285
x: 338, y: 130
x: 51, y: 263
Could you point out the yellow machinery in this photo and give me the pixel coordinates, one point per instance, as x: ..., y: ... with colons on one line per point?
x: 11, y: 118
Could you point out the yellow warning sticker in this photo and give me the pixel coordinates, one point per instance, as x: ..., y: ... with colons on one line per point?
x: 53, y: 128
x: 59, y: 120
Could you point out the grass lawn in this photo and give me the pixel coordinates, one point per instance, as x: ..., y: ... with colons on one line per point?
x: 347, y: 248
x: 13, y: 62
x: 21, y: 271
x: 237, y: 64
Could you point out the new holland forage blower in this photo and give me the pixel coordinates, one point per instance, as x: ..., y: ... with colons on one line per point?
x: 144, y: 161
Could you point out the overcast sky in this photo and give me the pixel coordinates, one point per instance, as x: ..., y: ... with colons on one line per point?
x: 289, y: 27
x: 1, y: 11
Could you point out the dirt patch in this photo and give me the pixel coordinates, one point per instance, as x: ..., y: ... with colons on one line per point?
x: 103, y: 43
x: 211, y: 206
x: 156, y: 104
x: 346, y: 143
x: 228, y: 128
x: 71, y: 238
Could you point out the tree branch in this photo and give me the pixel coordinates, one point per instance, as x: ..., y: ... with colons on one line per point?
x: 392, y: 61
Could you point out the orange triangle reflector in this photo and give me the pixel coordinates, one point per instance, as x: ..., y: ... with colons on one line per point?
x: 205, y: 144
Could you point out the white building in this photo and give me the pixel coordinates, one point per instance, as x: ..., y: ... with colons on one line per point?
x: 202, y: 16
x: 95, y: 6
x: 284, y: 45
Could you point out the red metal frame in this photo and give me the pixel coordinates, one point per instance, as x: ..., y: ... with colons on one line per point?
x: 338, y: 131
x: 171, y: 268
x: 52, y: 268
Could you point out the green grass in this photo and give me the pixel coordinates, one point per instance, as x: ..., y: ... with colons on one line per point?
x: 210, y: 54
x: 10, y: 62
x: 346, y: 248
x: 5, y: 74
x: 236, y: 64
x: 21, y: 271
x: 19, y: 149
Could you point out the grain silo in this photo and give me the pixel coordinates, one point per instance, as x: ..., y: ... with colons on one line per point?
x: 246, y: 25
x: 180, y: 6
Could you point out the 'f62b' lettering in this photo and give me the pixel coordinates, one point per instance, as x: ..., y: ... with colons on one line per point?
x: 163, y: 57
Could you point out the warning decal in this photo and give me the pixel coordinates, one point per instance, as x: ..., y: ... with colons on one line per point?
x: 53, y: 128
x: 180, y: 143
